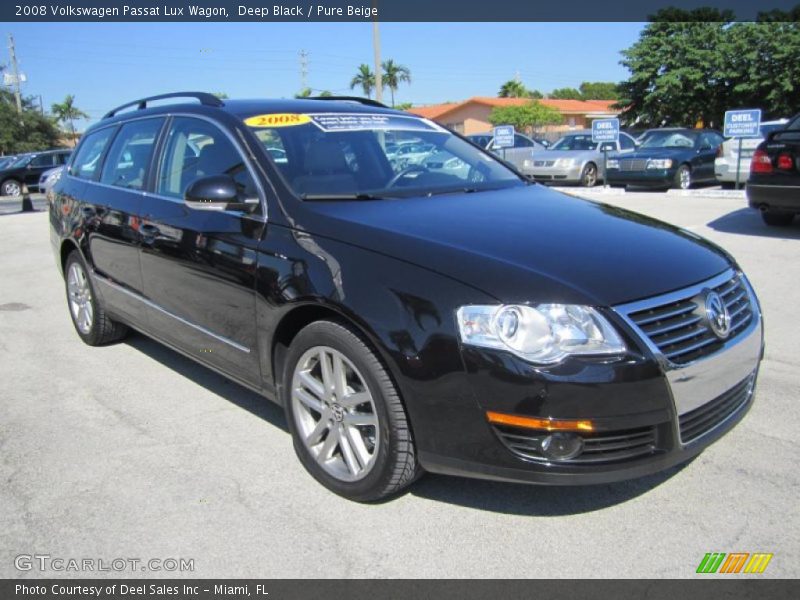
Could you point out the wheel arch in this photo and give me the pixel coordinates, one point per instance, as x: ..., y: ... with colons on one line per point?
x: 67, y: 247
x: 303, y: 315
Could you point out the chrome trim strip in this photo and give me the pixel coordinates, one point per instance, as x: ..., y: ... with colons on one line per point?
x: 751, y: 389
x: 201, y: 329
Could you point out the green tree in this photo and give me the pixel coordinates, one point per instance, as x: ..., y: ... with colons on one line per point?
x: 404, y: 105
x: 26, y: 131
x: 365, y: 78
x: 692, y: 66
x: 599, y: 90
x: 394, y: 75
x: 304, y: 93
x: 66, y: 112
x: 514, y: 88
x: 221, y: 95
x: 526, y: 116
x: 566, y: 93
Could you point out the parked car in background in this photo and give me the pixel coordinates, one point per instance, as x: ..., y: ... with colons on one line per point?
x: 575, y: 158
x: 49, y: 178
x: 27, y: 170
x: 774, y: 183
x: 676, y: 158
x: 520, y: 155
x: 407, y: 320
x: 727, y: 154
x: 407, y: 154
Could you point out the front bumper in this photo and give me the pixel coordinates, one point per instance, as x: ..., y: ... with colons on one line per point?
x: 646, y: 178
x: 555, y: 174
x: 648, y: 414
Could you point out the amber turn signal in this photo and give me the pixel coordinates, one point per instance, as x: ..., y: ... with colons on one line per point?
x: 534, y: 423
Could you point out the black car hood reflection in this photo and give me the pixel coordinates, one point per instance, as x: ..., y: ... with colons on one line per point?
x: 658, y: 153
x: 526, y: 244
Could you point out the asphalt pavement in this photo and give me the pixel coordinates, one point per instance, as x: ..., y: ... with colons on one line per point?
x: 132, y: 451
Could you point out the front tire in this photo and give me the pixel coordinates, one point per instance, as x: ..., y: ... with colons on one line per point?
x: 11, y: 187
x: 91, y: 322
x: 348, y: 424
x: 683, y: 178
x: 589, y: 175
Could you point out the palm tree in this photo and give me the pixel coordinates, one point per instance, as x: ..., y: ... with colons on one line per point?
x: 394, y: 75
x: 67, y: 112
x: 365, y: 78
x: 513, y: 89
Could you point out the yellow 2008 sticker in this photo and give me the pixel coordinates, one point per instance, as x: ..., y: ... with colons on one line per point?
x: 277, y: 120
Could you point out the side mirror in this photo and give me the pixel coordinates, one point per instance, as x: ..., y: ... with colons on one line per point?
x: 215, y: 192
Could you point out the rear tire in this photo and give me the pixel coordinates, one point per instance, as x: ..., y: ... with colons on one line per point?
x: 777, y: 219
x: 348, y: 424
x: 683, y: 178
x: 89, y: 317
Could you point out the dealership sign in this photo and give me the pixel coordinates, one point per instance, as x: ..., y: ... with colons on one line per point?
x: 742, y: 123
x: 504, y: 136
x: 605, y: 130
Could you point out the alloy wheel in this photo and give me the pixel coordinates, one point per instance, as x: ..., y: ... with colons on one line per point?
x: 335, y: 413
x: 80, y: 298
x: 12, y: 189
x: 685, y: 178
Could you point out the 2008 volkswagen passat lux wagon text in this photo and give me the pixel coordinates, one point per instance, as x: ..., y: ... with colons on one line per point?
x: 442, y: 315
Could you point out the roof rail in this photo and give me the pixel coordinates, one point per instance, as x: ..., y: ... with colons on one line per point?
x: 204, y: 97
x: 359, y: 99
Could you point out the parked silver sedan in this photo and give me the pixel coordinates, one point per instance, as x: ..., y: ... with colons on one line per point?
x: 575, y: 158
x: 48, y: 179
x: 520, y: 155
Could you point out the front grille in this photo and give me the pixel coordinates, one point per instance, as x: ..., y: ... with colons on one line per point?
x: 543, y: 163
x: 700, y: 421
x: 680, y: 330
x: 633, y: 164
x: 612, y: 446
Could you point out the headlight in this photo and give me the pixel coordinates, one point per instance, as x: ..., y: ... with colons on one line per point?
x: 612, y: 163
x: 565, y: 162
x: 659, y: 163
x: 543, y: 334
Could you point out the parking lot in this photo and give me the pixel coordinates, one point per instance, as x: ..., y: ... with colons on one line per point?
x: 132, y: 450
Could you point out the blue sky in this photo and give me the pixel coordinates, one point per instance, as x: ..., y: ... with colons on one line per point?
x: 106, y: 64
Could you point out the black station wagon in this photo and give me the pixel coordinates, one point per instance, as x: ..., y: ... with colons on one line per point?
x: 455, y: 319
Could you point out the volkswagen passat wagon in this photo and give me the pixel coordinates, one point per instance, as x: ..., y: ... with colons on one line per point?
x: 408, y: 319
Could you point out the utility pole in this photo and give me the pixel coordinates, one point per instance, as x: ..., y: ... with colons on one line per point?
x: 376, y: 45
x: 303, y: 70
x: 13, y: 53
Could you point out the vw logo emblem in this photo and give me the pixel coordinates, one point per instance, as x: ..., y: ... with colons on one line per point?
x: 717, y: 315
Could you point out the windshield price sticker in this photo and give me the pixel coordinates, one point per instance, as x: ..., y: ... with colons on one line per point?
x: 277, y: 120
x: 366, y: 122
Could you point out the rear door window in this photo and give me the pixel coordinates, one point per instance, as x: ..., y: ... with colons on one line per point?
x: 44, y: 160
x: 128, y: 159
x: 87, y: 160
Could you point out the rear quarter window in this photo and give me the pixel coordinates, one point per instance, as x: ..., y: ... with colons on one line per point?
x: 87, y: 159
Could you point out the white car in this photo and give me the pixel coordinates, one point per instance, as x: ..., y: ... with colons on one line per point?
x: 725, y: 163
x: 48, y: 179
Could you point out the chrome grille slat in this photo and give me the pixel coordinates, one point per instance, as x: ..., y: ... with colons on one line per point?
x: 708, y: 417
x: 678, y: 328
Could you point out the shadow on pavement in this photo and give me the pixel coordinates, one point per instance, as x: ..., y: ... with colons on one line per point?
x: 535, y: 500
x: 213, y: 382
x: 509, y: 498
x: 747, y: 221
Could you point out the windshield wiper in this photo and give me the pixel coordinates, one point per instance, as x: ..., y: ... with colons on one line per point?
x: 335, y: 197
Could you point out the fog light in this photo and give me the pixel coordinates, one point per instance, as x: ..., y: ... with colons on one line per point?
x: 562, y: 446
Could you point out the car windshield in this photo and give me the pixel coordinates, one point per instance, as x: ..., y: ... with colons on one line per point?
x: 669, y: 139
x: 340, y: 156
x: 574, y: 142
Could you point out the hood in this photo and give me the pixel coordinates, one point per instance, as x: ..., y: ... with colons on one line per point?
x: 526, y: 244
x: 578, y: 155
